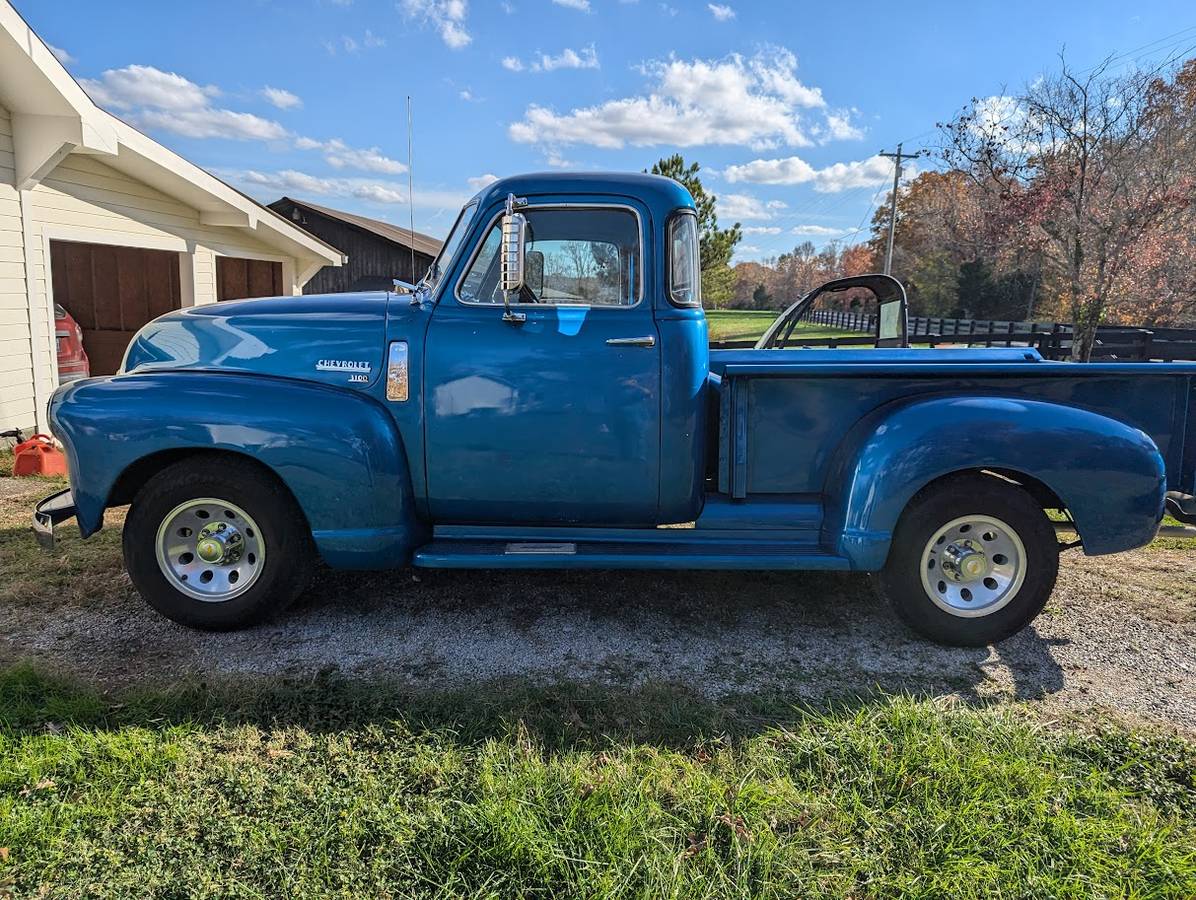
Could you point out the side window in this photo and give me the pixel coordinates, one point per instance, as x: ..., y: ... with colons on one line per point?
x: 585, y: 257
x: 685, y: 266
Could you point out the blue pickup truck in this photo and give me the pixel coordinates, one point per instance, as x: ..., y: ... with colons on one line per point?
x: 546, y: 397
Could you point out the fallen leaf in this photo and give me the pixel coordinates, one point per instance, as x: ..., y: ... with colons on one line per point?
x: 3, y: 854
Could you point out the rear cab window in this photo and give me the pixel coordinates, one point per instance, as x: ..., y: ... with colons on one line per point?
x: 684, y: 263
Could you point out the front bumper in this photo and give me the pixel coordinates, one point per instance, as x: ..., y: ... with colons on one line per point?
x: 50, y: 512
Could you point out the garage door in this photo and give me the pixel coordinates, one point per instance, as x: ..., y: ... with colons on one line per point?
x: 239, y: 279
x: 111, y: 292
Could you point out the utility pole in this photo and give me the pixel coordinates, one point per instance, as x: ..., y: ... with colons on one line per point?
x: 897, y: 157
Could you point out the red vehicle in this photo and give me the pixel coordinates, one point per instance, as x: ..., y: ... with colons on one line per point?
x: 72, y: 359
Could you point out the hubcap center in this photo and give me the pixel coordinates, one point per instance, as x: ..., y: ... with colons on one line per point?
x: 964, y: 561
x: 219, y: 542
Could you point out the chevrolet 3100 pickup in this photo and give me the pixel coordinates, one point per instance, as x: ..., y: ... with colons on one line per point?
x: 546, y: 397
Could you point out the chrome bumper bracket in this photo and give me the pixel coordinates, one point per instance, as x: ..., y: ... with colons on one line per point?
x: 50, y: 512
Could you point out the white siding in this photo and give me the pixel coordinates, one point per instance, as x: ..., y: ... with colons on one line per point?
x: 17, y: 406
x: 84, y: 199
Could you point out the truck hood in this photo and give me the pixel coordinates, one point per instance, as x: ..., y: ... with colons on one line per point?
x: 335, y: 339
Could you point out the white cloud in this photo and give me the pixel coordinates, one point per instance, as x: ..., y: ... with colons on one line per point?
x: 168, y: 101
x: 135, y: 86
x: 756, y: 101
x: 839, y: 127
x: 556, y: 161
x: 762, y: 229
x: 61, y: 55
x: 446, y: 16
x: 213, y: 123
x: 818, y: 231
x: 566, y: 59
x: 583, y: 5
x: 281, y: 97
x: 291, y: 181
x: 871, y: 172
x: 744, y: 207
x: 720, y: 12
x: 340, y: 155
x: 480, y: 181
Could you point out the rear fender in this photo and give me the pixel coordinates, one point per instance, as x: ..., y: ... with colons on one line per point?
x: 1110, y: 476
x: 337, y: 451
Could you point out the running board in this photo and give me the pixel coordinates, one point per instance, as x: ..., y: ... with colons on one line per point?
x: 464, y: 553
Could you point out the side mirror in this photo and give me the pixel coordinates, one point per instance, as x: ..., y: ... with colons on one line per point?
x: 510, y: 271
x: 511, y: 275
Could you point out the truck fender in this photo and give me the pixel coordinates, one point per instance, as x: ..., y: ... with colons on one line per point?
x: 1109, y: 475
x: 338, y: 452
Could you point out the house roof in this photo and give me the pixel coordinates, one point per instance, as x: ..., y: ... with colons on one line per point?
x: 53, y: 117
x: 422, y: 243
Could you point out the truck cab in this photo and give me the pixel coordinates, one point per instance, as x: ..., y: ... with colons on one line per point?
x: 546, y: 397
x: 571, y: 396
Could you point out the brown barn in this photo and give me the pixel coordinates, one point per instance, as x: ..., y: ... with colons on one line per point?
x: 377, y: 252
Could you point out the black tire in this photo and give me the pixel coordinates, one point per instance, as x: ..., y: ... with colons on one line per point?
x: 285, y: 570
x: 900, y: 582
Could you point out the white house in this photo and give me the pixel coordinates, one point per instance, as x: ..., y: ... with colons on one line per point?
x: 112, y: 226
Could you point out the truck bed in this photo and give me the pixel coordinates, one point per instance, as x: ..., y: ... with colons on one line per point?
x: 779, y: 406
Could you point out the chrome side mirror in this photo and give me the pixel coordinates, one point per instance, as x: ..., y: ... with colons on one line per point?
x: 511, y: 261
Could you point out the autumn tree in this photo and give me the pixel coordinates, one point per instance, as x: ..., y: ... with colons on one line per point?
x: 1086, y: 164
x: 717, y: 244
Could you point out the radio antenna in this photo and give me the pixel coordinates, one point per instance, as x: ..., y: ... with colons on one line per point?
x: 411, y: 190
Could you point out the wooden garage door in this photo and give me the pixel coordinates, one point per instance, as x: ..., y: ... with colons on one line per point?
x: 111, y: 292
x: 239, y: 279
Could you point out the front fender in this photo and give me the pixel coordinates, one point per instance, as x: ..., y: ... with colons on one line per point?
x: 337, y: 451
x: 1111, y: 477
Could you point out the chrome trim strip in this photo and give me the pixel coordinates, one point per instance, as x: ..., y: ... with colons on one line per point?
x: 647, y: 341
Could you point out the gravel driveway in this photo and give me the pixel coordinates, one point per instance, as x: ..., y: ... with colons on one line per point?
x: 1119, y: 633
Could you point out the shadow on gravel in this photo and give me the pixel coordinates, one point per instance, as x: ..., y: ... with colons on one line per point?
x: 563, y: 716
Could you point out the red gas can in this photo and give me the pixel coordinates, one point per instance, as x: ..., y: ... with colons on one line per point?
x: 38, y: 456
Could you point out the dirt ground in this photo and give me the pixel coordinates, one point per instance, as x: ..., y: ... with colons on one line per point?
x: 1119, y: 635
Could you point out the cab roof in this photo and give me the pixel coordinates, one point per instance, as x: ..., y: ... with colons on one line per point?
x: 660, y: 194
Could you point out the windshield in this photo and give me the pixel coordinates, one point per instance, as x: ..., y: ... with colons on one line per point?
x: 449, y: 248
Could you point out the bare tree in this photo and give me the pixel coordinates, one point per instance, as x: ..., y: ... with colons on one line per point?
x: 1079, y: 159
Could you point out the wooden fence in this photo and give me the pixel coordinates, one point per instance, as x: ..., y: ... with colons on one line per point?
x: 1052, y: 339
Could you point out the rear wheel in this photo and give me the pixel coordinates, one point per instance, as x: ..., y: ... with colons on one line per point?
x: 207, y: 560
x: 973, y: 560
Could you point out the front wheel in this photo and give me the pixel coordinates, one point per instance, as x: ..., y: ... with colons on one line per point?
x: 217, y: 543
x: 973, y: 560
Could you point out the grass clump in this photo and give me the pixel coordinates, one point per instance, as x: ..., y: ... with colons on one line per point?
x: 335, y: 788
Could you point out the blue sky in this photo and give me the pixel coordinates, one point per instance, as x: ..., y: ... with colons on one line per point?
x: 784, y: 104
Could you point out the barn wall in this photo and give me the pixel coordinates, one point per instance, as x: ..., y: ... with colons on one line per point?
x: 369, y: 256
x: 17, y: 405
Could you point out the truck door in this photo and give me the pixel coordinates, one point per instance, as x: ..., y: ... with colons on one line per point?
x: 554, y: 418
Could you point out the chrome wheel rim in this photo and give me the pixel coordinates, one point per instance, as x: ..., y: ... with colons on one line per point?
x: 973, y: 566
x: 210, y: 549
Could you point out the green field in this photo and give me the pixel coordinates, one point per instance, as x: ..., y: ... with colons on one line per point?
x: 331, y: 788
x: 749, y: 324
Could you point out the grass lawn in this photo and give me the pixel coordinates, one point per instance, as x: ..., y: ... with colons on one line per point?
x: 335, y: 788
x: 749, y: 324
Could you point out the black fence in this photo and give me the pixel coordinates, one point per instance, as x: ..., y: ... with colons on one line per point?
x: 1052, y: 339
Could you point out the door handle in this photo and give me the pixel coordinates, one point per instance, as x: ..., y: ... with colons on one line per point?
x: 646, y: 341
